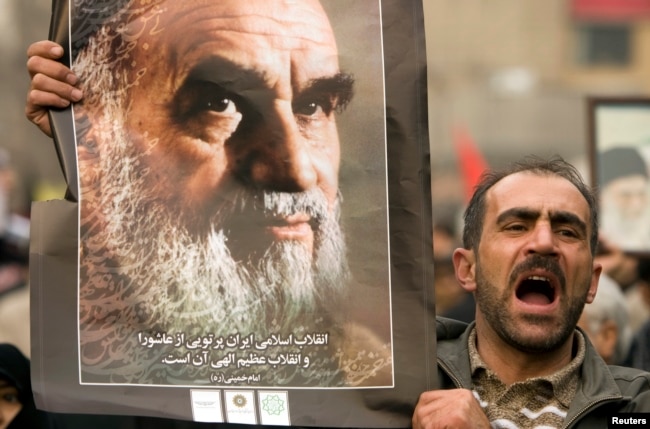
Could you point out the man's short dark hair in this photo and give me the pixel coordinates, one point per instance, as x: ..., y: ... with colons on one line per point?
x: 554, y: 166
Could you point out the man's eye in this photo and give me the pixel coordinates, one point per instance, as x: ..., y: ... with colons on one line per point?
x: 568, y: 233
x: 313, y: 108
x: 197, y: 97
x: 309, y: 109
x: 220, y: 105
x: 515, y: 227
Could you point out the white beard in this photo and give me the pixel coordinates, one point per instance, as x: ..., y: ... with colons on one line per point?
x: 141, y: 271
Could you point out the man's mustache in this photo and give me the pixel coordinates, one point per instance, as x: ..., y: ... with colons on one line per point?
x: 269, y: 205
x: 547, y: 263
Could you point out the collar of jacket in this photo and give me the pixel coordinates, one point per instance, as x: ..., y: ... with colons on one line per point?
x: 597, y: 384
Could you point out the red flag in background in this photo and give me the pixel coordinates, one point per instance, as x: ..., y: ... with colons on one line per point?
x: 470, y: 160
x: 610, y: 10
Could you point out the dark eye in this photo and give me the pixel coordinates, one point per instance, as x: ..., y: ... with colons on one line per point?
x: 10, y: 397
x: 314, y: 107
x: 568, y: 233
x: 220, y: 104
x: 515, y: 227
x: 197, y: 97
x: 308, y: 109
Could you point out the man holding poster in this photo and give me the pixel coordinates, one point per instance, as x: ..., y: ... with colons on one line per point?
x: 211, y: 247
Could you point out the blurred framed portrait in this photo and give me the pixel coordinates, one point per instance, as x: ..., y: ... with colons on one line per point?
x: 619, y: 143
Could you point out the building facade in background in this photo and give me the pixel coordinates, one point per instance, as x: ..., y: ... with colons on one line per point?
x: 514, y: 75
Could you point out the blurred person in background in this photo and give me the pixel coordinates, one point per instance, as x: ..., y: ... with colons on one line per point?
x: 606, y: 322
x: 624, y: 268
x: 17, y: 408
x: 14, y: 253
x: 14, y: 230
x: 452, y: 301
x: 639, y: 353
x: 637, y: 296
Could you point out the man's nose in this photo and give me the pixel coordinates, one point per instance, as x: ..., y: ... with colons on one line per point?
x: 542, y: 240
x: 283, y: 159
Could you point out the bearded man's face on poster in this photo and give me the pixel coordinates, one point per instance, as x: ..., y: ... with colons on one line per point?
x: 210, y: 197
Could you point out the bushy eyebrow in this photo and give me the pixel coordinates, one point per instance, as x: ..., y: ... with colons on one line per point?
x: 340, y: 86
x: 520, y: 213
x: 233, y: 77
x: 251, y: 89
x: 559, y: 217
x: 568, y: 218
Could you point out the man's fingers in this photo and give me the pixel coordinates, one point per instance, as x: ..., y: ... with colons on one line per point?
x: 44, y: 84
x: 38, y: 105
x: 51, y: 68
x: 39, y: 99
x: 45, y: 49
x: 52, y: 83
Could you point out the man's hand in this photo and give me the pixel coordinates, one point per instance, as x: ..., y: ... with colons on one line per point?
x: 52, y: 83
x: 455, y: 408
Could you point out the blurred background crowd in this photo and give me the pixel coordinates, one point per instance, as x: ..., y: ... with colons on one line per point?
x: 29, y: 168
x: 506, y: 78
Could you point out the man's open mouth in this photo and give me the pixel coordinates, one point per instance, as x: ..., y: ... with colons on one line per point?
x: 536, y: 290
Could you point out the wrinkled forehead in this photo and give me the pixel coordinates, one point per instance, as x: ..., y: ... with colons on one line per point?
x: 255, y: 34
x: 285, y: 19
x: 541, y: 191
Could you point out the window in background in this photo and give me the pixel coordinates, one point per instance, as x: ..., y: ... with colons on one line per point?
x: 602, y: 44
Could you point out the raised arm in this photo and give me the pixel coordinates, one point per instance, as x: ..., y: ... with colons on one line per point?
x: 53, y: 85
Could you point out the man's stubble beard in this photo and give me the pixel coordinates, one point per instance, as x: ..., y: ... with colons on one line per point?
x: 493, y: 307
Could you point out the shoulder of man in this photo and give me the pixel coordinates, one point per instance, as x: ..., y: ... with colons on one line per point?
x: 448, y: 329
x: 630, y: 395
x: 605, y: 382
x: 631, y: 381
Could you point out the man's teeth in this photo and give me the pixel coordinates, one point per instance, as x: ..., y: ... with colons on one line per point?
x: 539, y: 278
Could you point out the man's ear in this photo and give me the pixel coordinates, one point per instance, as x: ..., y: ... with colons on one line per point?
x: 465, y: 266
x: 593, y: 286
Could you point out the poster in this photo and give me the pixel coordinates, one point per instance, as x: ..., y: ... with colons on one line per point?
x: 246, y: 236
x: 619, y: 147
